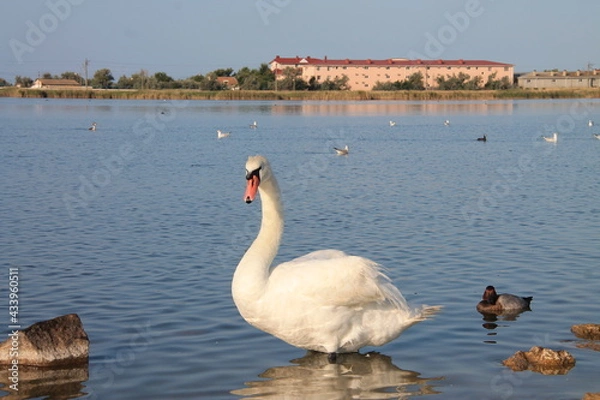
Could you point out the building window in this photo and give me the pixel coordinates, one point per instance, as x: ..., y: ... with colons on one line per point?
x: 344, y: 67
x: 366, y: 67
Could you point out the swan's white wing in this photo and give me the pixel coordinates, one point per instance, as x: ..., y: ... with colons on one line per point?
x: 333, y: 278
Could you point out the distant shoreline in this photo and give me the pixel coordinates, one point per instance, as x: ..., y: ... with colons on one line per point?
x: 407, y: 95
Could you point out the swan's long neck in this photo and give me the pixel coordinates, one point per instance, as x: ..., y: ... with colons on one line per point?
x: 252, y: 273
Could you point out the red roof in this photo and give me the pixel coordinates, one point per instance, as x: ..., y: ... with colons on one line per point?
x: 227, y: 80
x: 390, y: 61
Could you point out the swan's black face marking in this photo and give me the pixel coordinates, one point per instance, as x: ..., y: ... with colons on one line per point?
x: 250, y: 174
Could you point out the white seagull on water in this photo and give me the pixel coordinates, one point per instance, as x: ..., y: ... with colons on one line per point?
x: 221, y: 135
x: 551, y: 139
x: 342, y: 152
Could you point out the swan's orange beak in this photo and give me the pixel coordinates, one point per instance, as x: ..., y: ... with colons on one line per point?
x: 251, y: 188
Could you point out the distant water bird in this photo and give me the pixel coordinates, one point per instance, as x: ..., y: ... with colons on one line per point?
x: 493, y: 302
x: 325, y: 301
x: 254, y: 125
x: 342, y: 152
x: 551, y: 139
x: 590, y: 123
x: 92, y: 127
x: 447, y: 122
x: 482, y: 139
x: 597, y: 136
x: 221, y: 135
x: 392, y: 123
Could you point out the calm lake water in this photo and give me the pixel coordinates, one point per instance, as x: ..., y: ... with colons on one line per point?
x: 138, y: 228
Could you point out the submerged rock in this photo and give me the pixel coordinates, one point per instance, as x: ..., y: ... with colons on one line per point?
x: 587, y: 331
x: 543, y: 360
x: 57, y: 342
x: 48, y: 383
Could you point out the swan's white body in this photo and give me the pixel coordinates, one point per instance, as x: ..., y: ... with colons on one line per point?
x: 392, y: 123
x: 551, y: 139
x: 92, y: 127
x: 597, y: 136
x: 447, y: 122
x: 342, y: 152
x: 590, y: 123
x: 254, y: 125
x: 221, y: 135
x: 325, y: 301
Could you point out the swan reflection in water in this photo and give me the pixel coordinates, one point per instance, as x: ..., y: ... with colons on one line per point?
x: 370, y: 375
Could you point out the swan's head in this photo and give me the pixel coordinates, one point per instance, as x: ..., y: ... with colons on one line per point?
x: 490, y: 295
x: 258, y: 171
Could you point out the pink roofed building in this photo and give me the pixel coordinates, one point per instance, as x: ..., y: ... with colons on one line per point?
x: 364, y: 74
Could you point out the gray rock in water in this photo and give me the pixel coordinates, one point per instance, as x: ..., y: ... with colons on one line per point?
x: 57, y: 342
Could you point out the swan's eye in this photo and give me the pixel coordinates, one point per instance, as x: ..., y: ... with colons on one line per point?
x: 256, y: 172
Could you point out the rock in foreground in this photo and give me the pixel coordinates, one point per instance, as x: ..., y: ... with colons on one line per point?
x: 587, y: 331
x: 57, y: 342
x: 543, y: 360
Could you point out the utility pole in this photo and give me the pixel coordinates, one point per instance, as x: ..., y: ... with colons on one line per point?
x: 85, y: 71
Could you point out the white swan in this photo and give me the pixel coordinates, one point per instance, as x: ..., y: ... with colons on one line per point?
x: 92, y: 127
x: 590, y: 123
x: 447, y: 122
x: 551, y: 139
x: 342, y: 152
x: 325, y: 301
x: 392, y: 123
x: 597, y: 136
x: 221, y: 135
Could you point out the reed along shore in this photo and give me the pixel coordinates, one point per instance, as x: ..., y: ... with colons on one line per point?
x: 409, y: 95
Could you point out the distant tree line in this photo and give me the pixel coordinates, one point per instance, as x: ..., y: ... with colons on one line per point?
x: 248, y: 79
x: 261, y: 78
x: 461, y: 81
x: 413, y: 82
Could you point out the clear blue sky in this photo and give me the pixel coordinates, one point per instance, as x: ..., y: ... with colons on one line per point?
x: 187, y: 37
